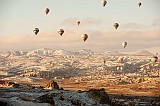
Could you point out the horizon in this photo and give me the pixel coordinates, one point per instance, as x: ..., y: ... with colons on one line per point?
x: 130, y: 52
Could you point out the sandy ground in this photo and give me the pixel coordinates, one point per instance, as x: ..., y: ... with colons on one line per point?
x: 136, y: 89
x: 139, y: 89
x: 138, y: 93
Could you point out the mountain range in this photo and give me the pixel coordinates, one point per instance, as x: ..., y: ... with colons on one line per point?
x: 46, y: 51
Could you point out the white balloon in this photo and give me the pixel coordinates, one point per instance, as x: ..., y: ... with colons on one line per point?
x: 124, y: 44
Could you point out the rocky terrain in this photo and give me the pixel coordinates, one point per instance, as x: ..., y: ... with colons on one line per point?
x: 23, y: 95
x: 82, y: 78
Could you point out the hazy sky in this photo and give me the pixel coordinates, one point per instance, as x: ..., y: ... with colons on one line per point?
x: 140, y: 27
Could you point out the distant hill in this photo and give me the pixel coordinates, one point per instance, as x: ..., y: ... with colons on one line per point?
x: 4, y: 54
x: 41, y: 51
x: 144, y: 53
x: 46, y: 51
x: 113, y: 53
x: 85, y: 52
x: 63, y: 52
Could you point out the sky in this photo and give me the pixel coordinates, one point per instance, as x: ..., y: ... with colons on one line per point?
x: 139, y: 26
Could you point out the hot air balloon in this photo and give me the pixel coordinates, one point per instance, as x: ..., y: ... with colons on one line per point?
x: 36, y: 30
x: 46, y: 10
x: 84, y: 37
x: 61, y: 31
x: 124, y: 44
x: 139, y: 4
x: 154, y: 59
x: 116, y: 25
x: 104, y: 2
x: 78, y: 22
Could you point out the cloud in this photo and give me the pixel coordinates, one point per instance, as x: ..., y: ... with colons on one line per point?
x: 109, y: 36
x: 156, y: 22
x: 69, y: 21
x: 98, y: 40
x: 132, y: 26
x: 152, y: 35
x: 112, y: 40
x: 84, y: 22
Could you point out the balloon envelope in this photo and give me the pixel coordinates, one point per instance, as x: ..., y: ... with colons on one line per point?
x: 84, y: 37
x: 78, y: 22
x: 154, y: 59
x: 104, y: 2
x: 139, y: 4
x: 46, y: 10
x: 124, y: 44
x: 116, y: 25
x: 61, y: 31
x: 35, y: 30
